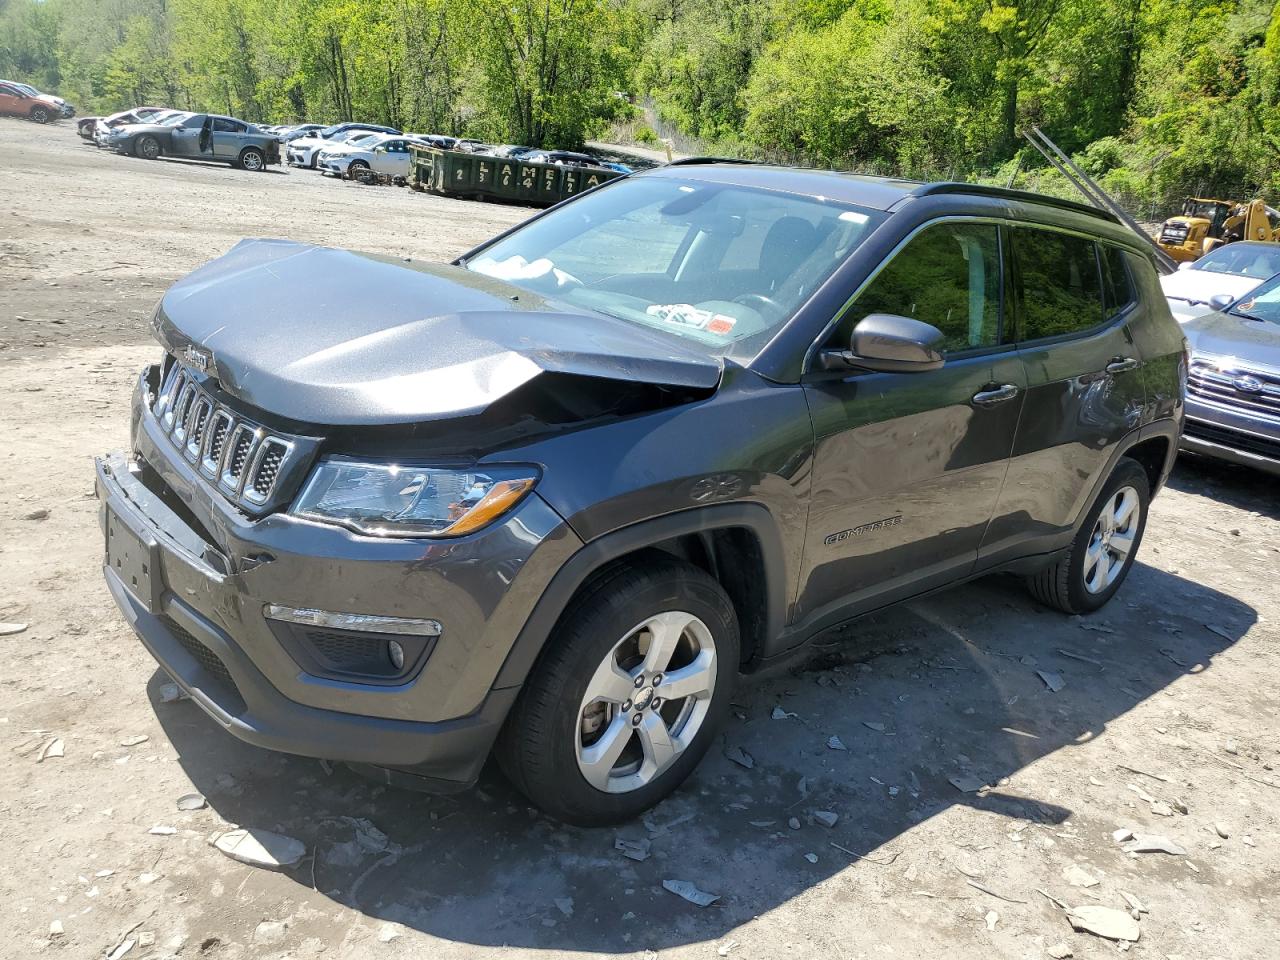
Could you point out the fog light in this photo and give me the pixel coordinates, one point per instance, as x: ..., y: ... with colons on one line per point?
x: 396, y: 652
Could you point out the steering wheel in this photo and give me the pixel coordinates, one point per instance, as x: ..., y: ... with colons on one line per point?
x: 748, y: 299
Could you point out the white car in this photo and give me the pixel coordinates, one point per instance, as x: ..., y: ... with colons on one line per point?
x: 105, y: 130
x: 1231, y: 271
x: 305, y: 151
x: 383, y: 153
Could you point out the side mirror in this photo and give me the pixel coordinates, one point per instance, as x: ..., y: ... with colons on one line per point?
x: 1186, y: 265
x: 887, y: 342
x: 1220, y: 301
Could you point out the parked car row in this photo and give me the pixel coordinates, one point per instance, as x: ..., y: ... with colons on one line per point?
x: 25, y: 101
x: 153, y: 132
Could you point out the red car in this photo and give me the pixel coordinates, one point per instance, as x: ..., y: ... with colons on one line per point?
x: 17, y: 103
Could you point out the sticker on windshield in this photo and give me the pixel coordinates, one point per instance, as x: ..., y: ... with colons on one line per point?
x: 689, y: 316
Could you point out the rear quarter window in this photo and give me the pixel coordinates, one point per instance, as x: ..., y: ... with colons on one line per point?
x: 1117, y: 285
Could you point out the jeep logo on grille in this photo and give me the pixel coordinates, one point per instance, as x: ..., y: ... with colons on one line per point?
x: 197, y: 359
x: 1247, y: 384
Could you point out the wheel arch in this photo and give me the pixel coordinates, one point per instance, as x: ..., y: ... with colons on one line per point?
x: 738, y: 544
x: 1154, y: 446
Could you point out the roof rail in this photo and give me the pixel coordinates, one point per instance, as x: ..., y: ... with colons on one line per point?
x: 685, y: 161
x: 1025, y: 196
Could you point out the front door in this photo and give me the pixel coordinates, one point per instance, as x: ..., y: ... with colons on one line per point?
x: 391, y: 158
x: 186, y: 137
x: 908, y: 466
x: 1085, y: 386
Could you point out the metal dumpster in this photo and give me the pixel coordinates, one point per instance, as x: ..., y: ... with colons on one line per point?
x: 469, y: 175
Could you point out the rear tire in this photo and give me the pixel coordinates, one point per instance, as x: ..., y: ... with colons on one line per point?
x: 1102, y: 553
x: 253, y: 160
x: 637, y: 631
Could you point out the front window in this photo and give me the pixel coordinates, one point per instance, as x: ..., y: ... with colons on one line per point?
x: 1242, y: 260
x: 720, y: 266
x: 948, y: 276
x: 1262, y: 303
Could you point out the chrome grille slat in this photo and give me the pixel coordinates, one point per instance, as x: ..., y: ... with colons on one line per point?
x: 215, y: 441
x: 243, y: 439
x: 182, y: 411
x: 243, y: 460
x: 200, y: 412
x: 261, y: 477
x: 1212, y: 383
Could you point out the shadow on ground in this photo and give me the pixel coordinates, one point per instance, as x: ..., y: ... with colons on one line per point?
x: 1248, y: 490
x: 953, y: 679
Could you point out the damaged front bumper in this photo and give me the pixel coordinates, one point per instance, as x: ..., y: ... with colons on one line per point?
x: 208, y: 607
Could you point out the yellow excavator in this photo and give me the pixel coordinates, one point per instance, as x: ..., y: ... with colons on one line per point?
x: 1205, y: 224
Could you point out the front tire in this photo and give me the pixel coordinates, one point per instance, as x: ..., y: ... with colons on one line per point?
x: 1102, y: 553
x: 628, y: 696
x: 147, y: 147
x: 40, y: 114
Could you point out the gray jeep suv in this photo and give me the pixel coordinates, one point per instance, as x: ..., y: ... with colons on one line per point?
x: 551, y: 500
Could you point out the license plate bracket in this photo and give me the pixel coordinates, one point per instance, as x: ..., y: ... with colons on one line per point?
x: 133, y: 560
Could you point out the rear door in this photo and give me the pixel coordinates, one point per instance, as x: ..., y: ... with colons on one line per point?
x: 1085, y: 390
x: 12, y: 102
x: 229, y: 138
x: 908, y: 466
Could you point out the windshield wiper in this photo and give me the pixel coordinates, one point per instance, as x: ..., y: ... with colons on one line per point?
x: 1248, y: 316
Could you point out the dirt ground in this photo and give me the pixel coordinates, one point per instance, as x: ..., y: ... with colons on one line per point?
x: 1167, y: 722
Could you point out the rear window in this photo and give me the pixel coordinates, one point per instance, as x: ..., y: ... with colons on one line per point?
x: 1060, y: 284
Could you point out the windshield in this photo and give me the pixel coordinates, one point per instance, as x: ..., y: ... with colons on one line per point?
x: 364, y: 139
x: 1204, y: 208
x: 720, y: 266
x: 1262, y: 303
x: 173, y: 119
x: 1243, y: 260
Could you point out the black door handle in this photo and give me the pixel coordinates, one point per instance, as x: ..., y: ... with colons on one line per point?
x: 989, y: 398
x: 1122, y: 364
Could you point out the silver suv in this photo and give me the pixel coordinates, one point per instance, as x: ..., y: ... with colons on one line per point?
x: 1233, y: 388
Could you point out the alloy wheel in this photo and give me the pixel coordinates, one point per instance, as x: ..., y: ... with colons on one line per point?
x: 646, y: 702
x: 252, y: 160
x: 1112, y: 540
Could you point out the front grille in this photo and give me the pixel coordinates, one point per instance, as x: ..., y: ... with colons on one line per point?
x: 239, y: 455
x: 1255, y: 391
x: 1173, y: 234
x: 1235, y: 439
x: 228, y: 694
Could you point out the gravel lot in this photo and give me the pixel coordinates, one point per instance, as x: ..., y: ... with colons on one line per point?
x: 1178, y: 679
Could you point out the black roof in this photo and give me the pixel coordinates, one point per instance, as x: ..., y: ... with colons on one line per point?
x: 878, y: 193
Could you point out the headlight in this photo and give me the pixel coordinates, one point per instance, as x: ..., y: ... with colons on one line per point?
x: 392, y: 500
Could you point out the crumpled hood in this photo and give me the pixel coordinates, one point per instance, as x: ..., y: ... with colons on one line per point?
x: 1200, y: 285
x: 1252, y: 342
x: 328, y: 336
